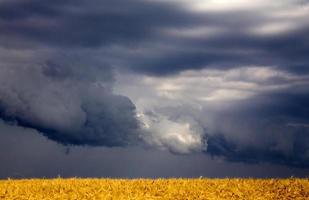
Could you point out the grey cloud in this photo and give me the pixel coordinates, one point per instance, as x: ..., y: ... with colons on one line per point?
x: 230, y: 50
x: 258, y: 130
x: 88, y: 24
x: 267, y: 126
x: 221, y: 147
x: 142, y: 28
x: 69, y: 101
x: 253, y: 131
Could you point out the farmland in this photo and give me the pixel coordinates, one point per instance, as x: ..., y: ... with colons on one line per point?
x: 75, y: 188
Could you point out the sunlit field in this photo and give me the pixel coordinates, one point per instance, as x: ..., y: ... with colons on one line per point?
x: 155, y: 189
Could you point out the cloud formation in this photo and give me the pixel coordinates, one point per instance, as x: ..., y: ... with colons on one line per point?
x: 252, y: 114
x: 70, y: 102
x: 87, y: 24
x: 182, y: 135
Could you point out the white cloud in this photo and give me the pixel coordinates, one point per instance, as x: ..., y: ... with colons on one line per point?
x: 180, y: 136
x: 225, y: 5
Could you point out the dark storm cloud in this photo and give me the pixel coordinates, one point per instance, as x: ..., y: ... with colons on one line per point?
x: 277, y: 124
x: 88, y: 24
x: 68, y: 101
x: 146, y: 25
x: 219, y: 146
x: 231, y: 49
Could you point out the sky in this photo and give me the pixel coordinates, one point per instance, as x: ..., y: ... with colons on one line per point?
x: 154, y: 88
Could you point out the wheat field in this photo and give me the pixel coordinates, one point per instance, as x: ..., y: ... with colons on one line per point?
x: 76, y: 188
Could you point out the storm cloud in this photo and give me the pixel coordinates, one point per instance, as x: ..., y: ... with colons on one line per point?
x: 252, y: 114
x: 88, y: 24
x: 68, y: 101
x: 190, y: 76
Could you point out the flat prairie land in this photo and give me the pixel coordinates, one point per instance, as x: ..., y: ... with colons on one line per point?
x: 76, y: 188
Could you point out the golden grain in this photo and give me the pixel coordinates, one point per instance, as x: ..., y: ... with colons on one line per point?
x: 155, y: 189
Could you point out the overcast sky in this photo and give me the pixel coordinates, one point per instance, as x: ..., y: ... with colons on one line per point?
x: 154, y: 88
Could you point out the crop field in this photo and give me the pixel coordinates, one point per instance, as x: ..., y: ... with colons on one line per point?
x: 76, y: 188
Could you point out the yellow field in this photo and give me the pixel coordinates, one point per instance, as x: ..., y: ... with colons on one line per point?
x: 155, y: 189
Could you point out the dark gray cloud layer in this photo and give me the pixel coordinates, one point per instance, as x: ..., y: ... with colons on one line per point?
x: 68, y: 101
x: 147, y: 25
x: 158, y: 31
x: 70, y: 98
x: 232, y: 49
x: 88, y: 24
x: 279, y: 121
